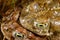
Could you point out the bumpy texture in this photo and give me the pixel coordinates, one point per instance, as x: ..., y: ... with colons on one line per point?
x: 40, y: 20
x: 30, y: 19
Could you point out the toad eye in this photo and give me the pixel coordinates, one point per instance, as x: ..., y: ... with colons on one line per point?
x: 19, y: 35
x: 40, y: 25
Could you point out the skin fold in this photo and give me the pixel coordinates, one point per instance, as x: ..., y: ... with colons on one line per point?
x: 11, y: 14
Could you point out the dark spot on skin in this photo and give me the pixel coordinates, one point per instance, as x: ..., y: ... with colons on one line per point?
x: 6, y: 29
x: 45, y: 24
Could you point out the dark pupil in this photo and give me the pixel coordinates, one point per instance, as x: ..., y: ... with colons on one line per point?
x: 19, y: 36
x: 40, y: 25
